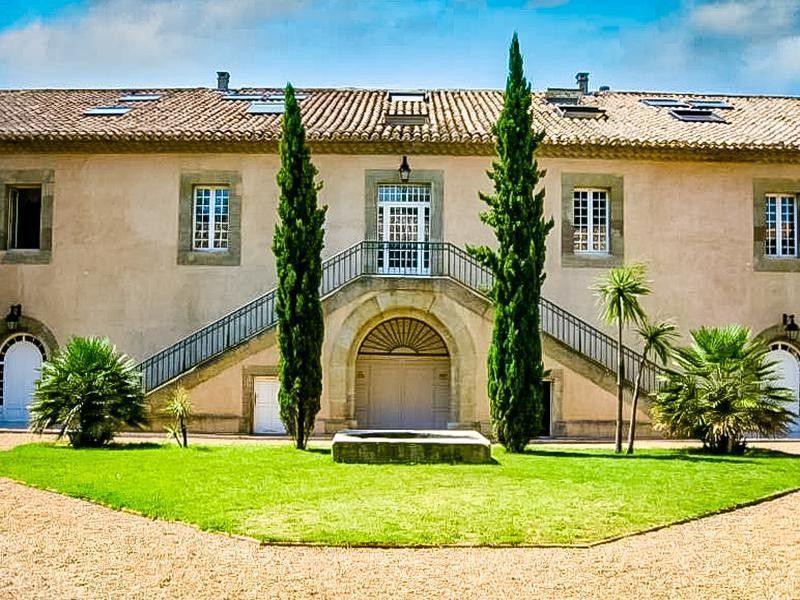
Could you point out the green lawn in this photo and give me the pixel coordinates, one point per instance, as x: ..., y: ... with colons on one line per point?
x: 275, y: 493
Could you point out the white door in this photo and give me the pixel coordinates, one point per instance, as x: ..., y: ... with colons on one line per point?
x: 20, y: 371
x: 266, y: 413
x: 789, y: 371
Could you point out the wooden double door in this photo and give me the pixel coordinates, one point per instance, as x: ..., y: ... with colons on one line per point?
x: 402, y: 392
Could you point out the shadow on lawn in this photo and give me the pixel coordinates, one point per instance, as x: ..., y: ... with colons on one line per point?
x: 684, y: 455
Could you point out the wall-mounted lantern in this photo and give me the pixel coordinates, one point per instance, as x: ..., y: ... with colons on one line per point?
x: 404, y: 170
x: 13, y: 317
x: 790, y: 328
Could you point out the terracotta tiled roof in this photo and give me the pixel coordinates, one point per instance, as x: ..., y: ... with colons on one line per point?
x: 341, y: 117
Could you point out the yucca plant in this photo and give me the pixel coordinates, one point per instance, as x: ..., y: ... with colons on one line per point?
x: 618, y: 295
x: 723, y: 390
x: 179, y: 407
x: 88, y: 391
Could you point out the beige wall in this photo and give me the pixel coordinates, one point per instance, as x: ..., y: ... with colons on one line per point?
x: 114, y: 270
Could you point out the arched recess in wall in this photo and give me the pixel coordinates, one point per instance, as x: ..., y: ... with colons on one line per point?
x: 787, y: 363
x: 21, y: 358
x: 403, y: 377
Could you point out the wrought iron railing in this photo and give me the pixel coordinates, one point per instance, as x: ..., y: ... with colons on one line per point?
x: 390, y: 259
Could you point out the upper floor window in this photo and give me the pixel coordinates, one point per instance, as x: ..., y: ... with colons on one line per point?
x: 590, y: 221
x: 25, y: 218
x: 780, y: 225
x: 211, y: 217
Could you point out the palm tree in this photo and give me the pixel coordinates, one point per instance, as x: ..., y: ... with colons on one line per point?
x: 658, y: 339
x: 618, y: 294
x: 88, y: 391
x: 725, y: 389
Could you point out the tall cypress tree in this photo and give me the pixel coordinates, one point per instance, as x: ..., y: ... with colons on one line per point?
x: 516, y: 214
x: 297, y: 246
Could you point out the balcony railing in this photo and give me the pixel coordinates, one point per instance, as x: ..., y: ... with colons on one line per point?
x: 391, y: 259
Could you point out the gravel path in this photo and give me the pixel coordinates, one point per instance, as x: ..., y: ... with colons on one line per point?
x: 52, y: 546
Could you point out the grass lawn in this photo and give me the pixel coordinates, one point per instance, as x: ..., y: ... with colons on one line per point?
x: 276, y: 493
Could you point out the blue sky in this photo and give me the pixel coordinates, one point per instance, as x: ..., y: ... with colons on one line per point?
x: 726, y: 46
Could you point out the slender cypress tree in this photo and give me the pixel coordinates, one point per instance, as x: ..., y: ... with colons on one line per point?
x: 516, y: 214
x: 297, y: 245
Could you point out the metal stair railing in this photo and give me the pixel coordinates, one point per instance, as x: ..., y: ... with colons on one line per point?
x: 387, y: 259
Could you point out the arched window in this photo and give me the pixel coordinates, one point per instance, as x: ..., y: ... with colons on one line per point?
x: 406, y: 336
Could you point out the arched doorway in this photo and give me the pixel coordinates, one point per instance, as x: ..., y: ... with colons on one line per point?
x: 786, y: 358
x: 21, y: 357
x: 403, y: 377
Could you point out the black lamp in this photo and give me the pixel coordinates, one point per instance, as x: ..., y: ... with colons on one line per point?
x: 790, y: 327
x: 14, y: 315
x: 404, y: 170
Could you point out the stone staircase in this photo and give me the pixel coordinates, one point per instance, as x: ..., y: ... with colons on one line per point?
x: 573, y: 336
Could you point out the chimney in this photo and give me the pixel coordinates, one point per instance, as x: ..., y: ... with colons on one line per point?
x: 583, y: 82
x: 223, y: 78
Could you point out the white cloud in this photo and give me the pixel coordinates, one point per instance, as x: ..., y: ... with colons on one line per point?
x: 745, y: 17
x: 144, y: 38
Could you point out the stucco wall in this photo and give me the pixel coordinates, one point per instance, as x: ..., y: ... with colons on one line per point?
x: 114, y: 269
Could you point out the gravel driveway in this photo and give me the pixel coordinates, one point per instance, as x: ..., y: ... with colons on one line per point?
x: 52, y: 546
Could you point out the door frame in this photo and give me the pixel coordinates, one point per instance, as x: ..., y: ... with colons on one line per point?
x: 8, y: 343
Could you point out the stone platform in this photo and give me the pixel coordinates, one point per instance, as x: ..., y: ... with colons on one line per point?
x: 411, y: 446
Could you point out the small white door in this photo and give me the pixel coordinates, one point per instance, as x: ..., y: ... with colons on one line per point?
x: 20, y: 371
x: 789, y: 372
x: 266, y: 413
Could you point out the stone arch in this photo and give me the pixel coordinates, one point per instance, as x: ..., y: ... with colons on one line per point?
x: 33, y: 327
x: 427, y: 306
x: 20, y: 378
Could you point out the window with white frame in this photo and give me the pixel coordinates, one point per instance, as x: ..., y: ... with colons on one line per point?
x: 780, y: 220
x: 211, y: 218
x: 404, y: 216
x: 590, y: 218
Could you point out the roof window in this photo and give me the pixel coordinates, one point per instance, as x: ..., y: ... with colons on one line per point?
x: 665, y: 102
x: 580, y: 111
x: 240, y: 96
x: 696, y: 115
x: 709, y: 104
x: 560, y: 96
x: 411, y: 96
x: 139, y: 97
x: 280, y: 97
x: 107, y: 111
x: 266, y: 108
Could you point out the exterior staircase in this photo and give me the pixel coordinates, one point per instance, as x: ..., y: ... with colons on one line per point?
x: 375, y: 259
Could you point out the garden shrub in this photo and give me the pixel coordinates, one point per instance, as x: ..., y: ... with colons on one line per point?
x: 88, y: 391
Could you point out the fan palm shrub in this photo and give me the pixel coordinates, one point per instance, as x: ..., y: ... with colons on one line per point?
x: 657, y: 340
x: 88, y: 391
x: 618, y: 294
x: 725, y: 389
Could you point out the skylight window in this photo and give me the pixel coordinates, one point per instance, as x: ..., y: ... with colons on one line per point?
x: 279, y: 97
x: 721, y: 104
x: 580, y: 111
x: 238, y: 96
x: 406, y: 119
x: 107, y: 111
x: 665, y: 102
x: 406, y: 96
x: 266, y: 108
x: 134, y: 97
x: 696, y: 115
